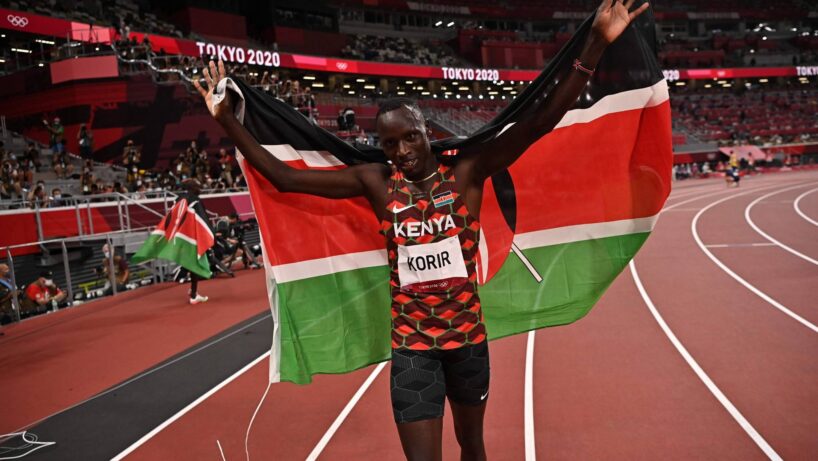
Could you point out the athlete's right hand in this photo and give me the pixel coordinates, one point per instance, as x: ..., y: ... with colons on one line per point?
x: 212, y: 76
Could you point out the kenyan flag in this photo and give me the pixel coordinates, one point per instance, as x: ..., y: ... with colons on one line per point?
x: 182, y: 237
x: 558, y: 226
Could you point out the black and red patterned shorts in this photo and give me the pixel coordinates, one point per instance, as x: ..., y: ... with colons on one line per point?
x: 421, y: 380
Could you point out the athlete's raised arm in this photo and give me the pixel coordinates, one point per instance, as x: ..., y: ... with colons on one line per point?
x: 360, y: 180
x: 612, y: 18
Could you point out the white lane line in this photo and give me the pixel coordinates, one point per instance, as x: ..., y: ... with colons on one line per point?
x: 740, y: 245
x: 191, y: 406
x: 344, y: 413
x: 767, y: 236
x: 711, y: 386
x: 801, y: 212
x: 221, y: 451
x: 530, y: 446
x: 253, y: 419
x: 759, y: 293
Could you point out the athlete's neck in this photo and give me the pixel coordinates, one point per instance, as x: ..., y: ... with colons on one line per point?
x: 426, y: 175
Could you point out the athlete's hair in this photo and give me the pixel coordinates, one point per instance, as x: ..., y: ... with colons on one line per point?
x: 394, y: 104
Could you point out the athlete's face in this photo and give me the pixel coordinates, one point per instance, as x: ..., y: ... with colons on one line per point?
x: 405, y: 141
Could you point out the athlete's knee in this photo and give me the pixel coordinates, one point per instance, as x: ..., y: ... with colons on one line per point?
x: 471, y: 444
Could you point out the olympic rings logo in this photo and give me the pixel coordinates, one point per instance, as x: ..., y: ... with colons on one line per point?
x: 17, y: 21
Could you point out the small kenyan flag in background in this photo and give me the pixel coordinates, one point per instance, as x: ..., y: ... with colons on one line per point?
x: 181, y: 237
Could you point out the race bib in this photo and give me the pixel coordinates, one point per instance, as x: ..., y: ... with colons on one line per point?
x: 431, y: 267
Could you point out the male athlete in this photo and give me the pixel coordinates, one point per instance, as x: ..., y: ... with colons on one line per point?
x: 430, y: 213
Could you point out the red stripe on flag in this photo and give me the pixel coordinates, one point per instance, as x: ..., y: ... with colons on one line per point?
x: 613, y: 168
x: 300, y: 227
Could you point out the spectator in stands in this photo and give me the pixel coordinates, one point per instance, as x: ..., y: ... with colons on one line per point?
x: 7, y: 290
x: 121, y: 271
x: 56, y: 135
x: 10, y: 182
x: 226, y: 167
x: 86, y: 142
x: 181, y: 167
x: 42, y: 294
x: 201, y: 166
x: 32, y: 156
x: 240, y: 181
x: 56, y: 199
x: 361, y: 136
x: 341, y: 121
x: 306, y: 103
x: 37, y: 197
x: 62, y: 165
x: 87, y: 180
x: 349, y: 118
x: 131, y: 159
x: 25, y: 170
x: 294, y: 96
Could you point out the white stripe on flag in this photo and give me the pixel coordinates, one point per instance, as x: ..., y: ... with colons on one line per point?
x: 178, y: 235
x: 313, y: 158
x: 324, y: 266
x: 582, y: 232
x: 620, y: 102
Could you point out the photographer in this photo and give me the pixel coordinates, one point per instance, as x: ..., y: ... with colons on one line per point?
x: 42, y: 294
x: 37, y: 197
x: 230, y: 239
x: 56, y: 133
x: 121, y: 271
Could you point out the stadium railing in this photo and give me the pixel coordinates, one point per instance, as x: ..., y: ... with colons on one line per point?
x: 76, y: 267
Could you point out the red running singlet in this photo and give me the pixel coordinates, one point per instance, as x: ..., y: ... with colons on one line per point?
x: 432, y: 243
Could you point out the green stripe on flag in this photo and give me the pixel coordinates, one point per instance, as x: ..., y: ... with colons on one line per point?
x: 574, y: 277
x: 341, y: 322
x: 178, y: 250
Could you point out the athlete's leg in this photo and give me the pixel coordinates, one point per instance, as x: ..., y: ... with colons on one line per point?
x: 194, y: 285
x: 468, y: 427
x: 418, y: 392
x: 467, y: 386
x: 422, y: 440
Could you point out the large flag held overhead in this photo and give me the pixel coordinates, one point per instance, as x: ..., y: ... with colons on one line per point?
x: 558, y: 226
x: 182, y: 237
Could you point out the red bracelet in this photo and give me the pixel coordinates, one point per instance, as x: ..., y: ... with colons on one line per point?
x: 578, y: 66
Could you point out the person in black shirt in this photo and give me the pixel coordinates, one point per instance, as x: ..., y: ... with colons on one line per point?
x: 193, y: 188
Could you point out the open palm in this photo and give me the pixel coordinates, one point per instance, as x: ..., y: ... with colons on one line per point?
x: 212, y: 75
x: 613, y: 16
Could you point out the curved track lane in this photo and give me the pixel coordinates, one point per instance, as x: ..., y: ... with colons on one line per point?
x: 759, y: 357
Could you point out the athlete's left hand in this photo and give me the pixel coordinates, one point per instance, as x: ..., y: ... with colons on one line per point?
x: 613, y: 16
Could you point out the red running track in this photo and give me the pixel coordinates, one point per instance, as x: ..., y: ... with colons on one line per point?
x: 53, y: 361
x: 612, y: 385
